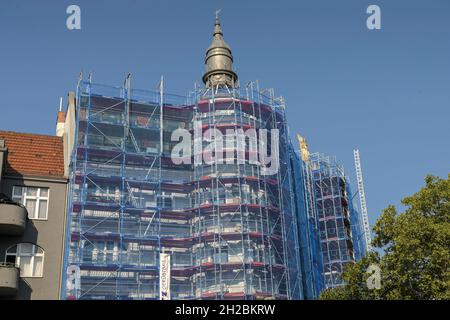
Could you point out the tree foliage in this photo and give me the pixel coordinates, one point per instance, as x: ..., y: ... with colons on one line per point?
x: 416, y: 250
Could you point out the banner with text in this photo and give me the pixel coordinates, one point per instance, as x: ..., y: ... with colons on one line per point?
x: 164, y: 276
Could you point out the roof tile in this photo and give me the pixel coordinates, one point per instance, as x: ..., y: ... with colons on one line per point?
x: 34, y: 154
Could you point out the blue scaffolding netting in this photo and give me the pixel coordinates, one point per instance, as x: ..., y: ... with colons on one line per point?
x: 231, y: 230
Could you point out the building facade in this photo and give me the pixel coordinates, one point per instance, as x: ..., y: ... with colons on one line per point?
x: 32, y: 215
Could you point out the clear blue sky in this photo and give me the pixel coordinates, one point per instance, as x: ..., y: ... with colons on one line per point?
x: 386, y: 92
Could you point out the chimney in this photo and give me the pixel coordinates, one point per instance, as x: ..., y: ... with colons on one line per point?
x: 3, y: 152
x: 60, y: 120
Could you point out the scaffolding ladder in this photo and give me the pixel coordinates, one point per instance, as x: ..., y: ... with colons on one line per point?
x: 362, y: 200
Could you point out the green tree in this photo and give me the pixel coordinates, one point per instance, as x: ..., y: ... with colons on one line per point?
x: 416, y: 250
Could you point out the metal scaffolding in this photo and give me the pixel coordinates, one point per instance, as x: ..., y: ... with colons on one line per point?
x: 231, y: 231
x: 339, y: 223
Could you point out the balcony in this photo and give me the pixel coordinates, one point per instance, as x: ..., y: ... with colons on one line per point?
x: 13, y: 218
x: 9, y: 280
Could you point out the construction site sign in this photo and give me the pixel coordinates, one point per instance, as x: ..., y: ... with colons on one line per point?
x: 164, y: 276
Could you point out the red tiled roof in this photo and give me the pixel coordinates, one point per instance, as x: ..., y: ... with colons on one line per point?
x: 33, y: 154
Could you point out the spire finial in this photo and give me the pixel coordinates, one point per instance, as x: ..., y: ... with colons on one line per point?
x: 219, y: 60
x: 217, y: 26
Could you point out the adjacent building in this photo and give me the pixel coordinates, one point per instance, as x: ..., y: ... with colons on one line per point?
x: 33, y: 193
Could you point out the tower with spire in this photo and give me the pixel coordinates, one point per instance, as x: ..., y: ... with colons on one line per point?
x: 219, y: 61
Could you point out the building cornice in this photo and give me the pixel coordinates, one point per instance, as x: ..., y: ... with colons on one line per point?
x: 36, y: 178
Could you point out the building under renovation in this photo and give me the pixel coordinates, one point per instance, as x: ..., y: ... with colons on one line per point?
x: 145, y: 224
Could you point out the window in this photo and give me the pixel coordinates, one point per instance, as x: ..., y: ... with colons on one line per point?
x: 103, y: 252
x: 221, y: 255
x: 165, y: 200
x: 28, y: 257
x: 34, y: 199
